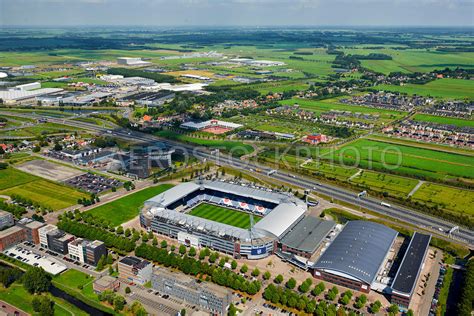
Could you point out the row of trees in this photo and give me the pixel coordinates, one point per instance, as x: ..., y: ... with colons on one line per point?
x: 466, y: 302
x: 91, y: 232
x: 189, y: 265
x: 15, y: 209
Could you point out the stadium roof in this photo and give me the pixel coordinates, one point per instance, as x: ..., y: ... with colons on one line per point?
x: 204, y: 225
x: 180, y: 191
x: 307, y: 234
x: 358, y: 251
x: 407, y: 274
x: 278, y: 221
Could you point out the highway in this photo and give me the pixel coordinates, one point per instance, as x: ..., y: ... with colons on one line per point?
x: 424, y: 221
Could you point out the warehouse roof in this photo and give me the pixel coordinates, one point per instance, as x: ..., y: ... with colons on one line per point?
x: 307, y: 234
x: 411, y: 265
x: 358, y: 251
x: 278, y: 221
x: 20, y: 94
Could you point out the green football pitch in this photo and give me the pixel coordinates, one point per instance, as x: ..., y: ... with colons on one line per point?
x: 223, y: 215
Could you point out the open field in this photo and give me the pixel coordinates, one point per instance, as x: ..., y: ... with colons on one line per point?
x: 73, y: 278
x: 126, y: 208
x: 40, y: 129
x: 443, y: 88
x: 394, y: 185
x: 235, y: 147
x: 48, y: 170
x: 332, y: 104
x: 451, y: 199
x: 47, y: 193
x: 443, y: 120
x: 223, y: 215
x: 331, y: 170
x: 405, y: 160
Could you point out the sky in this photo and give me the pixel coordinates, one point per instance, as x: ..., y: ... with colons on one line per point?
x: 237, y: 12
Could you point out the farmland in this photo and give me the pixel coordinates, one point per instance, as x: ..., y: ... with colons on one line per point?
x: 443, y: 88
x: 404, y: 160
x: 394, y: 185
x: 222, y: 215
x: 331, y: 170
x: 126, y: 208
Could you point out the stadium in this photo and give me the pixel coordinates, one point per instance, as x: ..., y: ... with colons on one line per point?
x: 240, y: 220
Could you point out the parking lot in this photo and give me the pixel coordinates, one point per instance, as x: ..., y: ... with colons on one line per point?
x: 49, y: 264
x: 92, y: 183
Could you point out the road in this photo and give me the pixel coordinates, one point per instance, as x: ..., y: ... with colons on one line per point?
x: 436, y: 225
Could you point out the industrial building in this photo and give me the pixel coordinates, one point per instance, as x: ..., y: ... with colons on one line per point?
x: 404, y: 283
x: 134, y: 270
x: 209, y: 297
x: 149, y: 98
x: 106, y: 283
x: 31, y: 228
x: 14, y: 96
x: 132, y: 61
x: 356, y: 256
x: 11, y: 236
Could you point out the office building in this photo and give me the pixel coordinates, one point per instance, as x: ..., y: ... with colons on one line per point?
x: 134, y: 270
x: 6, y: 219
x: 11, y: 236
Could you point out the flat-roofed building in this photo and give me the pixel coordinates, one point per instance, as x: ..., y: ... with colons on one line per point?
x: 135, y: 270
x: 106, y: 283
x: 58, y: 241
x: 28, y: 86
x: 408, y: 273
x: 31, y: 229
x: 43, y: 234
x: 11, y: 236
x: 306, y: 236
x: 6, y: 219
x: 210, y: 297
x: 356, y: 256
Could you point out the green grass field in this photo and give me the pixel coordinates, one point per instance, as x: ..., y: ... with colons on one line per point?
x: 236, y: 148
x: 405, y: 160
x: 47, y: 193
x: 394, y: 185
x: 127, y: 207
x: 452, y: 199
x: 223, y: 215
x: 331, y: 170
x: 442, y: 88
x: 443, y: 120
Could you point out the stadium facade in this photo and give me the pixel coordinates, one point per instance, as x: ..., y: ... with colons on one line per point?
x: 166, y: 214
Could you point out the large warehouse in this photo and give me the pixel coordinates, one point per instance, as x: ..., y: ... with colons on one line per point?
x: 356, y: 256
x: 274, y: 213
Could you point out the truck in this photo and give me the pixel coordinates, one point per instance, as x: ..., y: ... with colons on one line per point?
x: 385, y: 204
x: 269, y: 173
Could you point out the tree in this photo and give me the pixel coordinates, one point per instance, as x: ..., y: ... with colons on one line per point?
x: 232, y: 311
x: 291, y: 283
x: 393, y: 309
x: 154, y: 242
x: 244, y: 268
x: 111, y: 270
x: 233, y: 264
x: 375, y: 307
x: 278, y: 279
x: 410, y: 313
x: 164, y: 244
x: 36, y: 280
x: 183, y: 312
x: 127, y: 232
x: 255, y: 272
x: 192, y: 252
x: 43, y: 305
x: 128, y: 290
x: 100, y: 263
x: 182, y: 249
x: 119, y: 303
x: 119, y: 230
x: 137, y: 309
x: 267, y: 275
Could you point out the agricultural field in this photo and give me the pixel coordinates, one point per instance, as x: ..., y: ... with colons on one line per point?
x: 404, y: 160
x: 331, y: 170
x: 449, y: 198
x: 126, y: 208
x: 442, y: 88
x: 443, y: 120
x: 46, y: 193
x: 278, y: 87
x: 236, y: 148
x: 381, y: 182
x: 223, y: 215
x: 41, y: 129
x: 332, y: 104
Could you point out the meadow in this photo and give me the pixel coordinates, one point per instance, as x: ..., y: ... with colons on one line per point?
x: 381, y: 182
x: 443, y: 120
x: 319, y: 107
x: 126, y: 208
x: 236, y: 148
x: 405, y: 160
x: 331, y: 170
x: 442, y: 88
x: 41, y: 129
x: 449, y: 198
x: 223, y: 215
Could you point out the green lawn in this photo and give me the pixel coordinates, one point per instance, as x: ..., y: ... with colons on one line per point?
x: 443, y: 120
x: 73, y: 278
x: 47, y: 193
x: 223, y: 215
x: 405, y: 160
x: 443, y: 88
x: 394, y: 185
x: 331, y: 170
x: 126, y: 208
